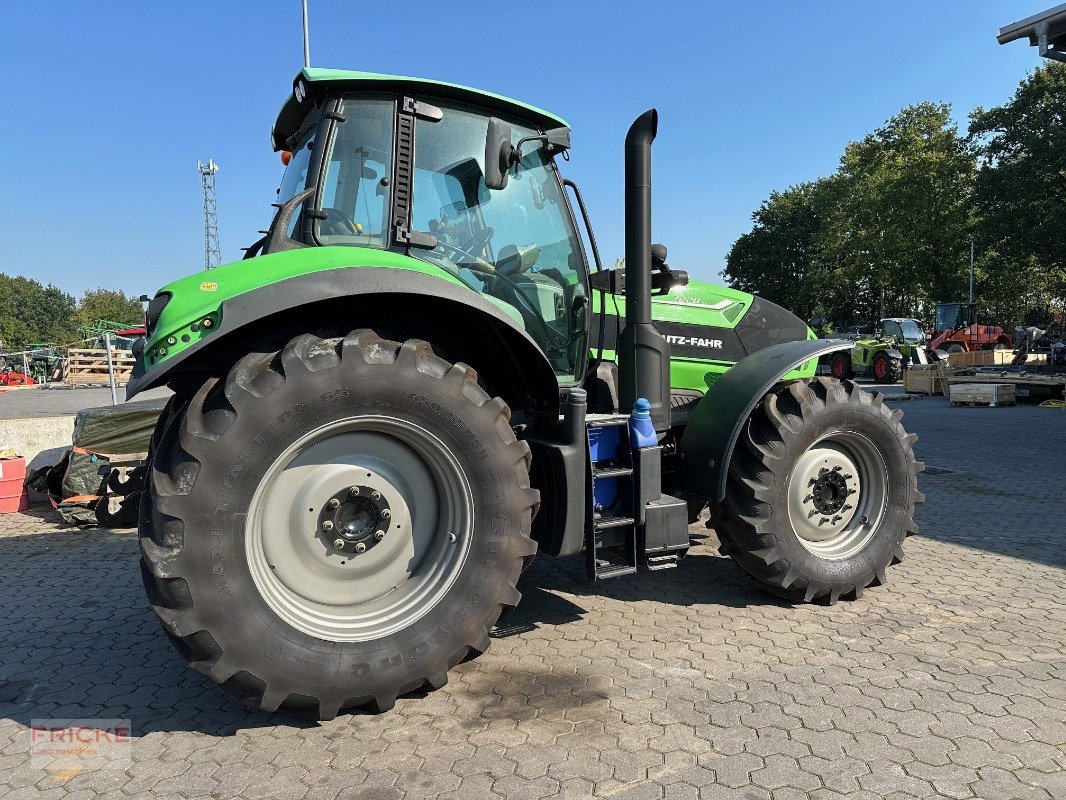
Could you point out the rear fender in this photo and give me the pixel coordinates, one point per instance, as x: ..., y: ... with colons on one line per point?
x: 707, y: 444
x: 462, y: 323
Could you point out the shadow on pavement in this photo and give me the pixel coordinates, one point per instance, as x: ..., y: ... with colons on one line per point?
x: 77, y: 640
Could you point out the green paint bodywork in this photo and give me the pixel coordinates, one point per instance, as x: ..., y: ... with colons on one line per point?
x: 200, y: 296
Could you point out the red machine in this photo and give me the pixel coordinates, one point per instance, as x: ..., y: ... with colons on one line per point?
x: 8, y: 377
x: 957, y: 330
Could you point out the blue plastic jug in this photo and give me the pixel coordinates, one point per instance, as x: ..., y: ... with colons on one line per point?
x: 641, y: 431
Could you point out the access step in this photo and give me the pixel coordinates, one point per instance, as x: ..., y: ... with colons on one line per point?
x: 665, y: 561
x: 602, y: 523
x: 610, y: 472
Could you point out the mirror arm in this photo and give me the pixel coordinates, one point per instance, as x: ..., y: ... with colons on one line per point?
x: 278, y: 238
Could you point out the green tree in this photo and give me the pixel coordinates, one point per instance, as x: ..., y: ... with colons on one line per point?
x: 1020, y: 198
x: 900, y: 231
x: 108, y: 304
x: 780, y: 258
x: 32, y: 312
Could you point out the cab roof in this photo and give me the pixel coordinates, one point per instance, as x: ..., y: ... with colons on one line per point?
x: 318, y: 81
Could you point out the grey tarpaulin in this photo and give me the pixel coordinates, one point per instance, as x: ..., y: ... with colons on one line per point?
x: 80, y: 479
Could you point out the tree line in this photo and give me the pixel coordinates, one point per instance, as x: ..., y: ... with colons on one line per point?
x: 33, y: 313
x: 889, y: 233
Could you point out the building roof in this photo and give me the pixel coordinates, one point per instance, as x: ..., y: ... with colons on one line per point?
x: 1046, y: 30
x: 317, y: 81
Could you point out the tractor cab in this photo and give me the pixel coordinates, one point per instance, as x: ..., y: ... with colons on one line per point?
x: 902, y: 331
x: 388, y: 163
x: 954, y: 316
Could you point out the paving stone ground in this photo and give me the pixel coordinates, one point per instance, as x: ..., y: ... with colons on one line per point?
x: 948, y: 682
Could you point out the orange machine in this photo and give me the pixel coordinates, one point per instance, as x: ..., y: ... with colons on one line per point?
x: 957, y: 330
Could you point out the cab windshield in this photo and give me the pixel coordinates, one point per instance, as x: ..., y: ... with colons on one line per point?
x: 912, y: 331
x: 517, y: 246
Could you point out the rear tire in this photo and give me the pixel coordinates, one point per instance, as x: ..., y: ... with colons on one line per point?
x: 885, y: 368
x: 830, y: 439
x: 250, y: 584
x: 840, y: 366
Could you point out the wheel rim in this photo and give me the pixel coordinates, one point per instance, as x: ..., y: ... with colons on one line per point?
x: 359, y: 528
x: 838, y: 367
x: 837, y: 495
x: 879, y: 368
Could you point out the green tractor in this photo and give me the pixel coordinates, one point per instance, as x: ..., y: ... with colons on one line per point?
x: 899, y: 343
x: 418, y: 379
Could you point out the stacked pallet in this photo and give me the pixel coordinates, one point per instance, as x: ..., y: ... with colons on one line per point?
x: 87, y: 367
x: 991, y: 358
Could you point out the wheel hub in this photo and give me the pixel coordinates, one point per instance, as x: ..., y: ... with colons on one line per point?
x: 355, y: 519
x: 830, y: 491
x: 836, y: 495
x: 358, y: 528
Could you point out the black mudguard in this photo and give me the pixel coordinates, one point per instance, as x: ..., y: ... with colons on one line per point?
x: 707, y: 445
x: 531, y: 382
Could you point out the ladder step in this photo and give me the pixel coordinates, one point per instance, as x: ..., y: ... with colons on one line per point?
x: 610, y: 472
x: 606, y: 420
x: 665, y: 561
x: 602, y: 523
x: 605, y: 569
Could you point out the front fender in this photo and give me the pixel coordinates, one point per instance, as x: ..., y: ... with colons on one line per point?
x: 251, y: 317
x: 707, y: 444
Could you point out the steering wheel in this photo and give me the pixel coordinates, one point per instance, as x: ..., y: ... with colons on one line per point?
x: 470, y: 261
x: 337, y: 223
x: 552, y: 338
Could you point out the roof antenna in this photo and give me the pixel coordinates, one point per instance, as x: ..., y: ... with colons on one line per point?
x: 307, y: 43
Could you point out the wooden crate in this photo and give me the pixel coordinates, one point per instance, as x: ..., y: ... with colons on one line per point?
x: 982, y: 394
x: 990, y: 358
x: 924, y: 379
x: 89, y: 367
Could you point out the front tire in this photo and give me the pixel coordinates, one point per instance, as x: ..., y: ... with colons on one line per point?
x: 336, y: 524
x: 885, y: 368
x: 821, y: 492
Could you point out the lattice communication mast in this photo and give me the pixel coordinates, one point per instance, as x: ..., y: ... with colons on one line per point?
x: 212, y: 250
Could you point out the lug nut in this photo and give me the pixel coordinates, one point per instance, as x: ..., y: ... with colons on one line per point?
x: 334, y: 503
x: 386, y: 514
x: 359, y: 548
x: 375, y: 495
x: 353, y: 491
x: 452, y: 538
x: 338, y: 543
x: 379, y: 535
x: 327, y: 525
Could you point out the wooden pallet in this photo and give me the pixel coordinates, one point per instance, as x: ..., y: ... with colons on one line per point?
x: 924, y: 379
x: 89, y: 367
x: 981, y: 394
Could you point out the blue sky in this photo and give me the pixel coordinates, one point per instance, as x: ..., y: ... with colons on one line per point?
x: 108, y: 105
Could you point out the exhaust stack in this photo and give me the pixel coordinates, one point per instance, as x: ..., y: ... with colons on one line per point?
x: 643, y: 354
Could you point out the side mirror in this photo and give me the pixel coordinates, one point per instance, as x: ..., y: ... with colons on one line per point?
x: 558, y: 138
x: 498, y: 150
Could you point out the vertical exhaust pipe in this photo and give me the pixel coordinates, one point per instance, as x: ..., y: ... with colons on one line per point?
x: 643, y: 354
